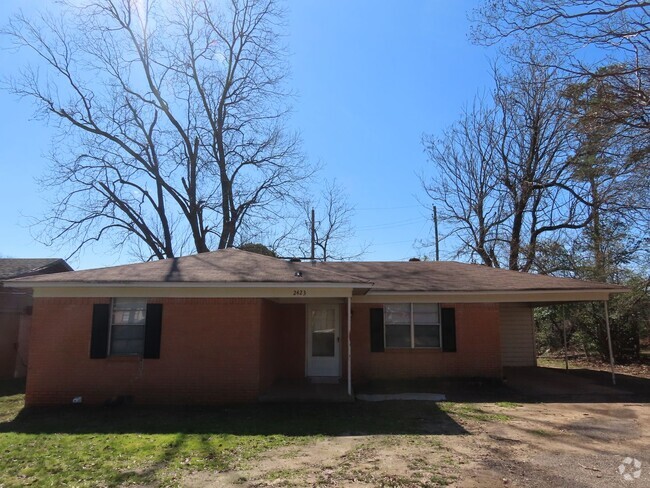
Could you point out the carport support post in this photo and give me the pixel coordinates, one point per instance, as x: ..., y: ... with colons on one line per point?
x: 609, y: 342
x: 566, y: 354
x: 349, y: 347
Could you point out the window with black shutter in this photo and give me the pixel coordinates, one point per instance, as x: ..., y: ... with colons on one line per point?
x: 128, y: 321
x: 126, y: 327
x: 412, y: 325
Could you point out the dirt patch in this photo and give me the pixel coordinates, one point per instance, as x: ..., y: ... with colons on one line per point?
x: 531, y: 445
x: 566, y: 444
x: 360, y: 461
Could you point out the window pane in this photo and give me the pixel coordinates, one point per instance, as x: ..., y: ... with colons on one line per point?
x: 128, y: 332
x: 322, y: 343
x: 397, y: 313
x: 129, y: 304
x: 129, y: 310
x: 123, y: 347
x: 425, y: 313
x: 427, y: 335
x: 127, y: 328
x: 126, y: 317
x: 323, y: 319
x: 398, y: 335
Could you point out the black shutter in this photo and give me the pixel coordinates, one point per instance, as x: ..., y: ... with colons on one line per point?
x: 99, y: 334
x: 448, y: 319
x: 376, y: 330
x: 152, y: 331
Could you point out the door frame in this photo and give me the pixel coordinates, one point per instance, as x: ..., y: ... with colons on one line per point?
x: 337, y: 338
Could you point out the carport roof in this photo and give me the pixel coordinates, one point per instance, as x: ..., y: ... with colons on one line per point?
x: 232, y: 267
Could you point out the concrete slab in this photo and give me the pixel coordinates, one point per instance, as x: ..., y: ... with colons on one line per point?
x: 550, y: 382
x: 427, y: 397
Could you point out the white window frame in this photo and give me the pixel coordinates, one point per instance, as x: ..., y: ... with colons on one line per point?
x: 413, y: 346
x: 111, y: 324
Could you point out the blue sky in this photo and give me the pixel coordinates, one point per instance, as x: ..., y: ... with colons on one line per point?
x: 371, y: 78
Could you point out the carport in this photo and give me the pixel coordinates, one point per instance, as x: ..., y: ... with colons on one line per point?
x: 518, y: 328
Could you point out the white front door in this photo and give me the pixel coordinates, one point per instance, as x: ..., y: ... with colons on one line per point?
x: 323, y: 341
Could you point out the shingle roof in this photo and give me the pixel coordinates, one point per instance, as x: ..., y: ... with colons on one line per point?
x: 16, y: 267
x: 449, y: 276
x: 232, y: 266
x: 225, y: 266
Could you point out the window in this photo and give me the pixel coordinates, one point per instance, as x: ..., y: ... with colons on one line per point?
x: 411, y: 325
x: 323, y: 332
x: 397, y: 325
x: 127, y: 326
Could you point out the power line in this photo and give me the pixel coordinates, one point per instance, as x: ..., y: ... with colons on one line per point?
x: 389, y: 225
x: 391, y: 243
x: 389, y: 208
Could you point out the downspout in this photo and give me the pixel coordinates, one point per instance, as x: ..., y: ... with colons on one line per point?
x: 349, y: 347
x: 609, y: 342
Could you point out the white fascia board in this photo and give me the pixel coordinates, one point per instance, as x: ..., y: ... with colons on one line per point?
x: 296, y: 293
x: 489, y: 296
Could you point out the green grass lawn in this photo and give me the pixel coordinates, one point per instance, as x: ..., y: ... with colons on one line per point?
x: 138, y: 445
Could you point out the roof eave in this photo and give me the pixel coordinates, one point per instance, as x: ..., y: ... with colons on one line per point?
x: 503, y: 296
x: 179, y: 284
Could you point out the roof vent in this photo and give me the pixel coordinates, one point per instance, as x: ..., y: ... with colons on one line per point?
x: 294, y: 260
x: 413, y: 260
x: 298, y: 274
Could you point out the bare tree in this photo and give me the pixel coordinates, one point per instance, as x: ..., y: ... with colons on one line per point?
x: 608, y: 40
x: 171, y: 120
x: 466, y: 184
x: 505, y: 170
x: 332, y: 226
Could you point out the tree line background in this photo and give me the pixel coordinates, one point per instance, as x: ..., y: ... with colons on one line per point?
x: 172, y: 139
x: 549, y: 171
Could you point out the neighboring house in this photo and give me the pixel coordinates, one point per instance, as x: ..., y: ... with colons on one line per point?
x: 227, y: 326
x: 16, y: 309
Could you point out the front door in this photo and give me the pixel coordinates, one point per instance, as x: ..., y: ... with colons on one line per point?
x: 323, y: 341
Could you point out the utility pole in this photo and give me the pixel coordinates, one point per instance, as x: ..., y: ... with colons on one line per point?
x: 435, y: 230
x: 313, y: 236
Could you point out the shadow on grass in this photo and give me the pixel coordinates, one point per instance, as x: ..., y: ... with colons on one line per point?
x: 303, y: 419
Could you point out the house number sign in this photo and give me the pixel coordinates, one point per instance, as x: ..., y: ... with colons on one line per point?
x: 299, y: 293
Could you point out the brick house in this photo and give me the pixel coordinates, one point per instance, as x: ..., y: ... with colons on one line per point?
x: 227, y: 326
x: 16, y: 310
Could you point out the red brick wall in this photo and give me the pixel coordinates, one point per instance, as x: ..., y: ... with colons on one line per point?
x: 268, y: 344
x: 291, y: 328
x: 228, y: 350
x: 283, y: 343
x: 210, y: 353
x: 9, y: 326
x: 13, y: 304
x: 477, y: 340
